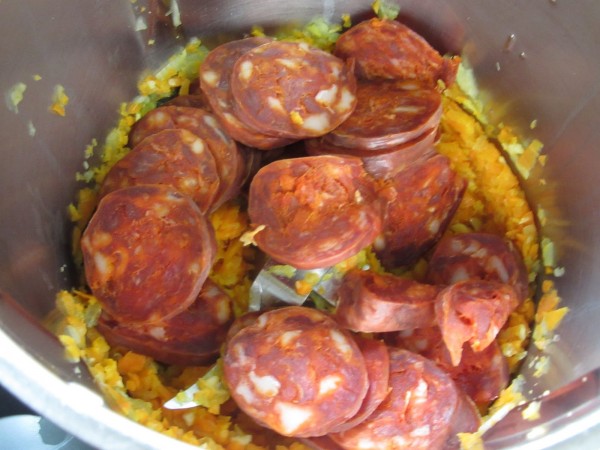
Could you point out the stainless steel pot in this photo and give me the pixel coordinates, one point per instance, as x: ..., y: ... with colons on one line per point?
x: 548, y: 71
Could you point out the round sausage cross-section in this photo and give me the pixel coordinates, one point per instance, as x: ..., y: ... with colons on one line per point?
x: 388, y: 113
x: 417, y: 413
x: 482, y: 256
x: 375, y: 303
x: 147, y: 251
x: 176, y: 158
x: 292, y: 90
x: 317, y: 211
x: 215, y: 75
x: 420, y: 202
x: 228, y: 158
x: 387, y: 49
x: 192, y: 337
x: 296, y: 372
x: 377, y: 360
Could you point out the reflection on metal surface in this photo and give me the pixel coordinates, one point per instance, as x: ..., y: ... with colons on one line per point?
x: 563, y: 413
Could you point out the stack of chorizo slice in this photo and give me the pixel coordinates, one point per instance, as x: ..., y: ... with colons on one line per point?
x: 368, y: 115
x: 296, y: 371
x: 268, y: 93
x: 477, y: 280
x: 393, y: 129
x: 149, y: 246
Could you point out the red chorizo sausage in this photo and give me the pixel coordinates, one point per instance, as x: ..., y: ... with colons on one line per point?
x: 388, y: 113
x: 417, y: 413
x: 317, y: 211
x: 473, y: 312
x: 215, y: 75
x: 242, y: 322
x: 420, y: 202
x: 466, y: 419
x: 481, y: 375
x: 380, y: 163
x: 377, y: 303
x: 377, y: 360
x: 387, y: 49
x: 147, y: 251
x: 296, y: 372
x: 228, y: 159
x: 192, y: 337
x: 292, y: 90
x: 176, y: 158
x: 483, y: 256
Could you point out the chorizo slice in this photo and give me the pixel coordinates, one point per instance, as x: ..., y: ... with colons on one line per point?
x: 192, y: 337
x: 292, y: 90
x: 388, y: 113
x: 147, y: 251
x: 482, y: 256
x: 176, y: 158
x: 380, y: 163
x: 317, y: 210
x: 466, y: 419
x: 387, y: 49
x: 419, y: 203
x: 228, y: 158
x: 215, y: 75
x: 417, y: 413
x: 473, y: 312
x: 375, y: 303
x: 377, y: 360
x: 423, y: 341
x: 481, y: 375
x: 296, y: 372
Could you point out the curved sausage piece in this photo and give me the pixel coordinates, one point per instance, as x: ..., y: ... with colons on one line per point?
x: 473, y: 312
x: 375, y: 303
x: 417, y: 413
x: 192, y: 337
x: 147, y: 251
x: 228, y: 159
x: 386, y: 49
x: 176, y: 158
x: 292, y: 90
x: 380, y: 163
x: 481, y: 256
x: 317, y: 211
x: 215, y: 75
x: 377, y: 360
x: 388, y: 113
x: 481, y: 375
x: 420, y: 202
x: 296, y: 372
